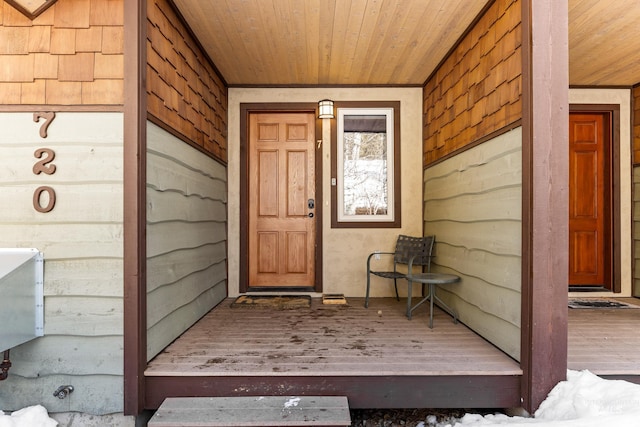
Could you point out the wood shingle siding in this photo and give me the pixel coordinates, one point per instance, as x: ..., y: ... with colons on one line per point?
x: 184, y: 90
x: 636, y: 124
x: 186, y: 236
x: 477, y: 89
x: 472, y: 203
x: 72, y: 54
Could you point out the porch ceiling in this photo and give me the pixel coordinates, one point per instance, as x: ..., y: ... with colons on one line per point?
x: 387, y: 42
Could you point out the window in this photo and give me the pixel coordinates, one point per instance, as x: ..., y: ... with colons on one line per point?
x: 365, y: 179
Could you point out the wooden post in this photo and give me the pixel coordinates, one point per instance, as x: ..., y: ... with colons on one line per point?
x: 135, y: 144
x: 545, y: 89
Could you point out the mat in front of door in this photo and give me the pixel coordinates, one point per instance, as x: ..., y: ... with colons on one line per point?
x: 598, y: 303
x: 273, y: 302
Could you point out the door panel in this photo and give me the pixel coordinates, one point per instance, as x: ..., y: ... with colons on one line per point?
x: 589, y: 200
x: 281, y: 182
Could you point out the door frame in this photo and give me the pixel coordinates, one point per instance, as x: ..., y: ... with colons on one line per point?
x: 614, y: 212
x: 295, y: 107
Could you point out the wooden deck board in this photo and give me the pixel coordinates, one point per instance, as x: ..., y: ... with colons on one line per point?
x: 604, y: 341
x: 329, y: 340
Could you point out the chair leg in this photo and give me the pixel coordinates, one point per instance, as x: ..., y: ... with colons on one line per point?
x: 366, y: 300
x: 409, y: 292
x: 395, y: 283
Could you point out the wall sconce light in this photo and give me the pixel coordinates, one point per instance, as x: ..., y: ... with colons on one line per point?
x: 325, y: 109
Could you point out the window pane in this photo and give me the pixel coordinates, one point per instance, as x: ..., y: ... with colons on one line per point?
x: 365, y: 173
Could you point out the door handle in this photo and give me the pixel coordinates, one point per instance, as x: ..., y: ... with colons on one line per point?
x: 311, y: 203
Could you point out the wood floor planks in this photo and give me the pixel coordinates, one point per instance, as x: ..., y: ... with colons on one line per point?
x: 329, y: 340
x: 604, y: 341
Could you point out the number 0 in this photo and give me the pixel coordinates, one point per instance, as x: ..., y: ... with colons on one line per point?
x: 37, y: 196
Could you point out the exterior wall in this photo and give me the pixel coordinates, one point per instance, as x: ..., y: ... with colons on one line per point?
x: 473, y: 196
x: 345, y: 250
x: 186, y: 236
x: 184, y: 91
x: 472, y: 204
x: 70, y: 57
x: 621, y: 97
x: 477, y: 90
x: 81, y: 239
x: 72, y: 54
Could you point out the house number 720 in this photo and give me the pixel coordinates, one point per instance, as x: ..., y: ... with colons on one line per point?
x: 44, y: 166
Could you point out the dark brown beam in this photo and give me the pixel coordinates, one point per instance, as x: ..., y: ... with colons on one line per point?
x: 135, y: 147
x: 472, y: 391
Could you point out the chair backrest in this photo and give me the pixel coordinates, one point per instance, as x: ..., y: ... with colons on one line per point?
x: 409, y: 246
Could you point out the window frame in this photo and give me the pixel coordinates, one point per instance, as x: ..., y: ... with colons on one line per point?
x: 393, y: 219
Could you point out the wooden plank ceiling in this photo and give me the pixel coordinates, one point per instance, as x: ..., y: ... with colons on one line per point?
x: 387, y: 42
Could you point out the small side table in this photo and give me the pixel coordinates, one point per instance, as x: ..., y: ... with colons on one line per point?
x: 431, y: 279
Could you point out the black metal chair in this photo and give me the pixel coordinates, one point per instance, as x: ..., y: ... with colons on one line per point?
x: 407, y: 247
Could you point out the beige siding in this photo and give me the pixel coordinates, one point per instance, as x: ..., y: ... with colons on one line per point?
x: 81, y: 239
x: 472, y: 203
x: 186, y: 237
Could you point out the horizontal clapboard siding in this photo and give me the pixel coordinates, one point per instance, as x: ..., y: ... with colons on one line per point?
x: 472, y: 203
x: 186, y: 237
x: 82, y: 240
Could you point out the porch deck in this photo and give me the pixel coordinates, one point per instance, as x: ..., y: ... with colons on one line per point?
x: 606, y: 342
x: 376, y: 360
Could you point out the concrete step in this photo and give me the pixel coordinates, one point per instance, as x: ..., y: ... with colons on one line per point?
x: 261, y: 411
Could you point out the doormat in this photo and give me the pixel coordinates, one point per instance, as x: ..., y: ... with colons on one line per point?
x: 599, y: 303
x: 274, y: 302
x: 334, y: 299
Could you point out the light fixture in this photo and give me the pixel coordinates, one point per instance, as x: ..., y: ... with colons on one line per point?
x: 325, y: 109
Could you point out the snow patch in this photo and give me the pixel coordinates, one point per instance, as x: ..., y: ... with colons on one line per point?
x: 289, y: 403
x: 32, y: 416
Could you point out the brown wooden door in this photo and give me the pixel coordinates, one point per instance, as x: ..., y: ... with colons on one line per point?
x: 282, y: 234
x: 589, y: 200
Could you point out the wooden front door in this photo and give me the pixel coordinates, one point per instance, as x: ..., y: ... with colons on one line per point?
x: 282, y: 211
x: 590, y: 200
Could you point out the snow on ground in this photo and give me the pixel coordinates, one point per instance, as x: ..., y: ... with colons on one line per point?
x: 33, y: 416
x: 583, y: 400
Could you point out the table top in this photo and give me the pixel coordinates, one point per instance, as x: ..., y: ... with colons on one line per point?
x: 437, y: 278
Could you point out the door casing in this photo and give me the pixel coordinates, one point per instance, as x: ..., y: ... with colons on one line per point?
x: 245, y: 110
x: 614, y: 215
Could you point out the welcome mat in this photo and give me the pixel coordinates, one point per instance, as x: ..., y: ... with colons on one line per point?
x: 599, y: 303
x: 274, y: 302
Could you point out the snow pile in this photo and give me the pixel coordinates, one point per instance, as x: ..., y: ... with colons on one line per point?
x: 33, y: 416
x: 584, y: 400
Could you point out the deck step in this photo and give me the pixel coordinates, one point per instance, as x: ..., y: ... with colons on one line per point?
x: 252, y: 411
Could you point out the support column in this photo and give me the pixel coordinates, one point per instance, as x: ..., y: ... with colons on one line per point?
x: 545, y: 88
